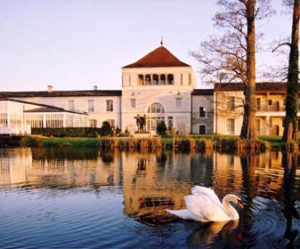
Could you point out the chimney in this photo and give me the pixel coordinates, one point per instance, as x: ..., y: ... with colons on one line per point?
x: 95, y: 88
x: 50, y: 88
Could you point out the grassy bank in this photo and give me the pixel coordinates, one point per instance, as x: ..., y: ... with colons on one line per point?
x: 203, y: 143
x: 178, y: 144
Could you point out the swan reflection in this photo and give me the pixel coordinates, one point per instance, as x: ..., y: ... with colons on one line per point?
x: 207, y: 233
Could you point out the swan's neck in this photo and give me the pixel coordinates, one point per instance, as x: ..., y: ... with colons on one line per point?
x: 229, y: 209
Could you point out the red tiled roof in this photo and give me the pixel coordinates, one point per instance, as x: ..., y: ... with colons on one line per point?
x: 61, y: 93
x: 203, y: 92
x: 260, y: 86
x: 160, y: 57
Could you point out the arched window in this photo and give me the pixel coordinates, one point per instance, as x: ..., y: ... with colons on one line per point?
x: 148, y: 79
x: 156, y: 114
x: 162, y: 79
x: 156, y: 108
x: 155, y: 79
x: 170, y: 79
x: 141, y: 80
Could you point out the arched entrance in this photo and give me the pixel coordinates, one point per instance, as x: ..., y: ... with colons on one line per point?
x: 155, y: 114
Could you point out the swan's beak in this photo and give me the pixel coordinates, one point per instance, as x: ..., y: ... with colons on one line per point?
x: 240, y: 204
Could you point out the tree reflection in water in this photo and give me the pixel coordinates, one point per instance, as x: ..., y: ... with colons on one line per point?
x: 248, y: 163
x: 289, y: 162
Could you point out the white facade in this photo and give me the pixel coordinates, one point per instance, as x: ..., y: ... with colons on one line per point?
x: 159, y: 86
x: 94, y: 106
x: 175, y: 98
x: 18, y: 117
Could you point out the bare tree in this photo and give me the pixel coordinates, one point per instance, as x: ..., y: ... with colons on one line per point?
x: 230, y: 57
x: 291, y: 122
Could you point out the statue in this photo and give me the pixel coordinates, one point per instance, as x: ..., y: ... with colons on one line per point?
x: 140, y: 123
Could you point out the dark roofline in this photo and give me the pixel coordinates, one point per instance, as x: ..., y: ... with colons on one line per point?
x: 43, y: 105
x: 203, y: 92
x: 76, y: 93
x: 260, y: 86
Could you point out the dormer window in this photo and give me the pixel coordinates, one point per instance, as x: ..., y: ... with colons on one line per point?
x: 162, y: 79
x: 155, y: 79
x: 170, y: 79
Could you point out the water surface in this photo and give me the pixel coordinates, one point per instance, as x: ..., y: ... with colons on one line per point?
x: 75, y: 198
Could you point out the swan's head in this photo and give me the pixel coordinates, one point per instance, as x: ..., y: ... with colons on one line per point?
x: 234, y: 199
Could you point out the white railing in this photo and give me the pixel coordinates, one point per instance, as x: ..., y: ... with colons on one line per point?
x: 15, y: 129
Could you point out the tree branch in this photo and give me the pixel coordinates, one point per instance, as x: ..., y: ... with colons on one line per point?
x: 280, y: 45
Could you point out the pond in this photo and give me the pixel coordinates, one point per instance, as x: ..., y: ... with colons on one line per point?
x: 78, y: 198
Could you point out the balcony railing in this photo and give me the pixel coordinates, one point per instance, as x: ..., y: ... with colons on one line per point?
x: 270, y: 108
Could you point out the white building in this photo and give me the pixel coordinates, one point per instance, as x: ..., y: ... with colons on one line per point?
x: 18, y: 116
x: 158, y: 85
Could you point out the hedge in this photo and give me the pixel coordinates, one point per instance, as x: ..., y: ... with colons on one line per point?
x: 68, y: 132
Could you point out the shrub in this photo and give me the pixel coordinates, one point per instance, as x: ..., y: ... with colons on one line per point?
x: 106, y: 129
x: 161, y: 128
x: 67, y: 132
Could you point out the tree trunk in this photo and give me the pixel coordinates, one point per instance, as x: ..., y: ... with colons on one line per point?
x: 248, y: 130
x: 291, y: 107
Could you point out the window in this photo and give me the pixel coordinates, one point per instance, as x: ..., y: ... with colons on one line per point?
x: 202, y: 112
x: 93, y: 123
x: 258, y: 104
x: 202, y: 129
x: 71, y: 105
x: 141, y: 80
x: 155, y: 79
x: 162, y: 79
x: 298, y: 124
x: 155, y: 116
x: 230, y: 126
x: 147, y: 79
x: 178, y: 102
x: 181, y: 79
x: 156, y: 108
x: 190, y: 79
x: 170, y: 79
x: 231, y: 104
x: 109, y: 105
x: 270, y: 102
x: 91, y: 106
x: 170, y: 122
x: 132, y: 102
x: 129, y: 79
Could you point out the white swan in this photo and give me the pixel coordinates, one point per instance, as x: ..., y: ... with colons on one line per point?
x: 204, y: 205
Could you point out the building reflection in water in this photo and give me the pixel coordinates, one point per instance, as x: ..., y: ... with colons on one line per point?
x: 64, y: 168
x: 154, y: 182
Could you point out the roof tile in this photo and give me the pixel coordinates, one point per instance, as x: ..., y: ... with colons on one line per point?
x: 160, y: 57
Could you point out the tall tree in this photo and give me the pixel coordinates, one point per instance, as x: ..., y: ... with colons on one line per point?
x: 248, y: 128
x: 230, y: 57
x: 291, y: 123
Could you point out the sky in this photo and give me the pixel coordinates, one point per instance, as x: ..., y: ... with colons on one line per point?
x: 76, y: 44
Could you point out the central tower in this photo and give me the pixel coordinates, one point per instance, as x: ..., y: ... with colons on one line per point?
x: 159, y: 86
